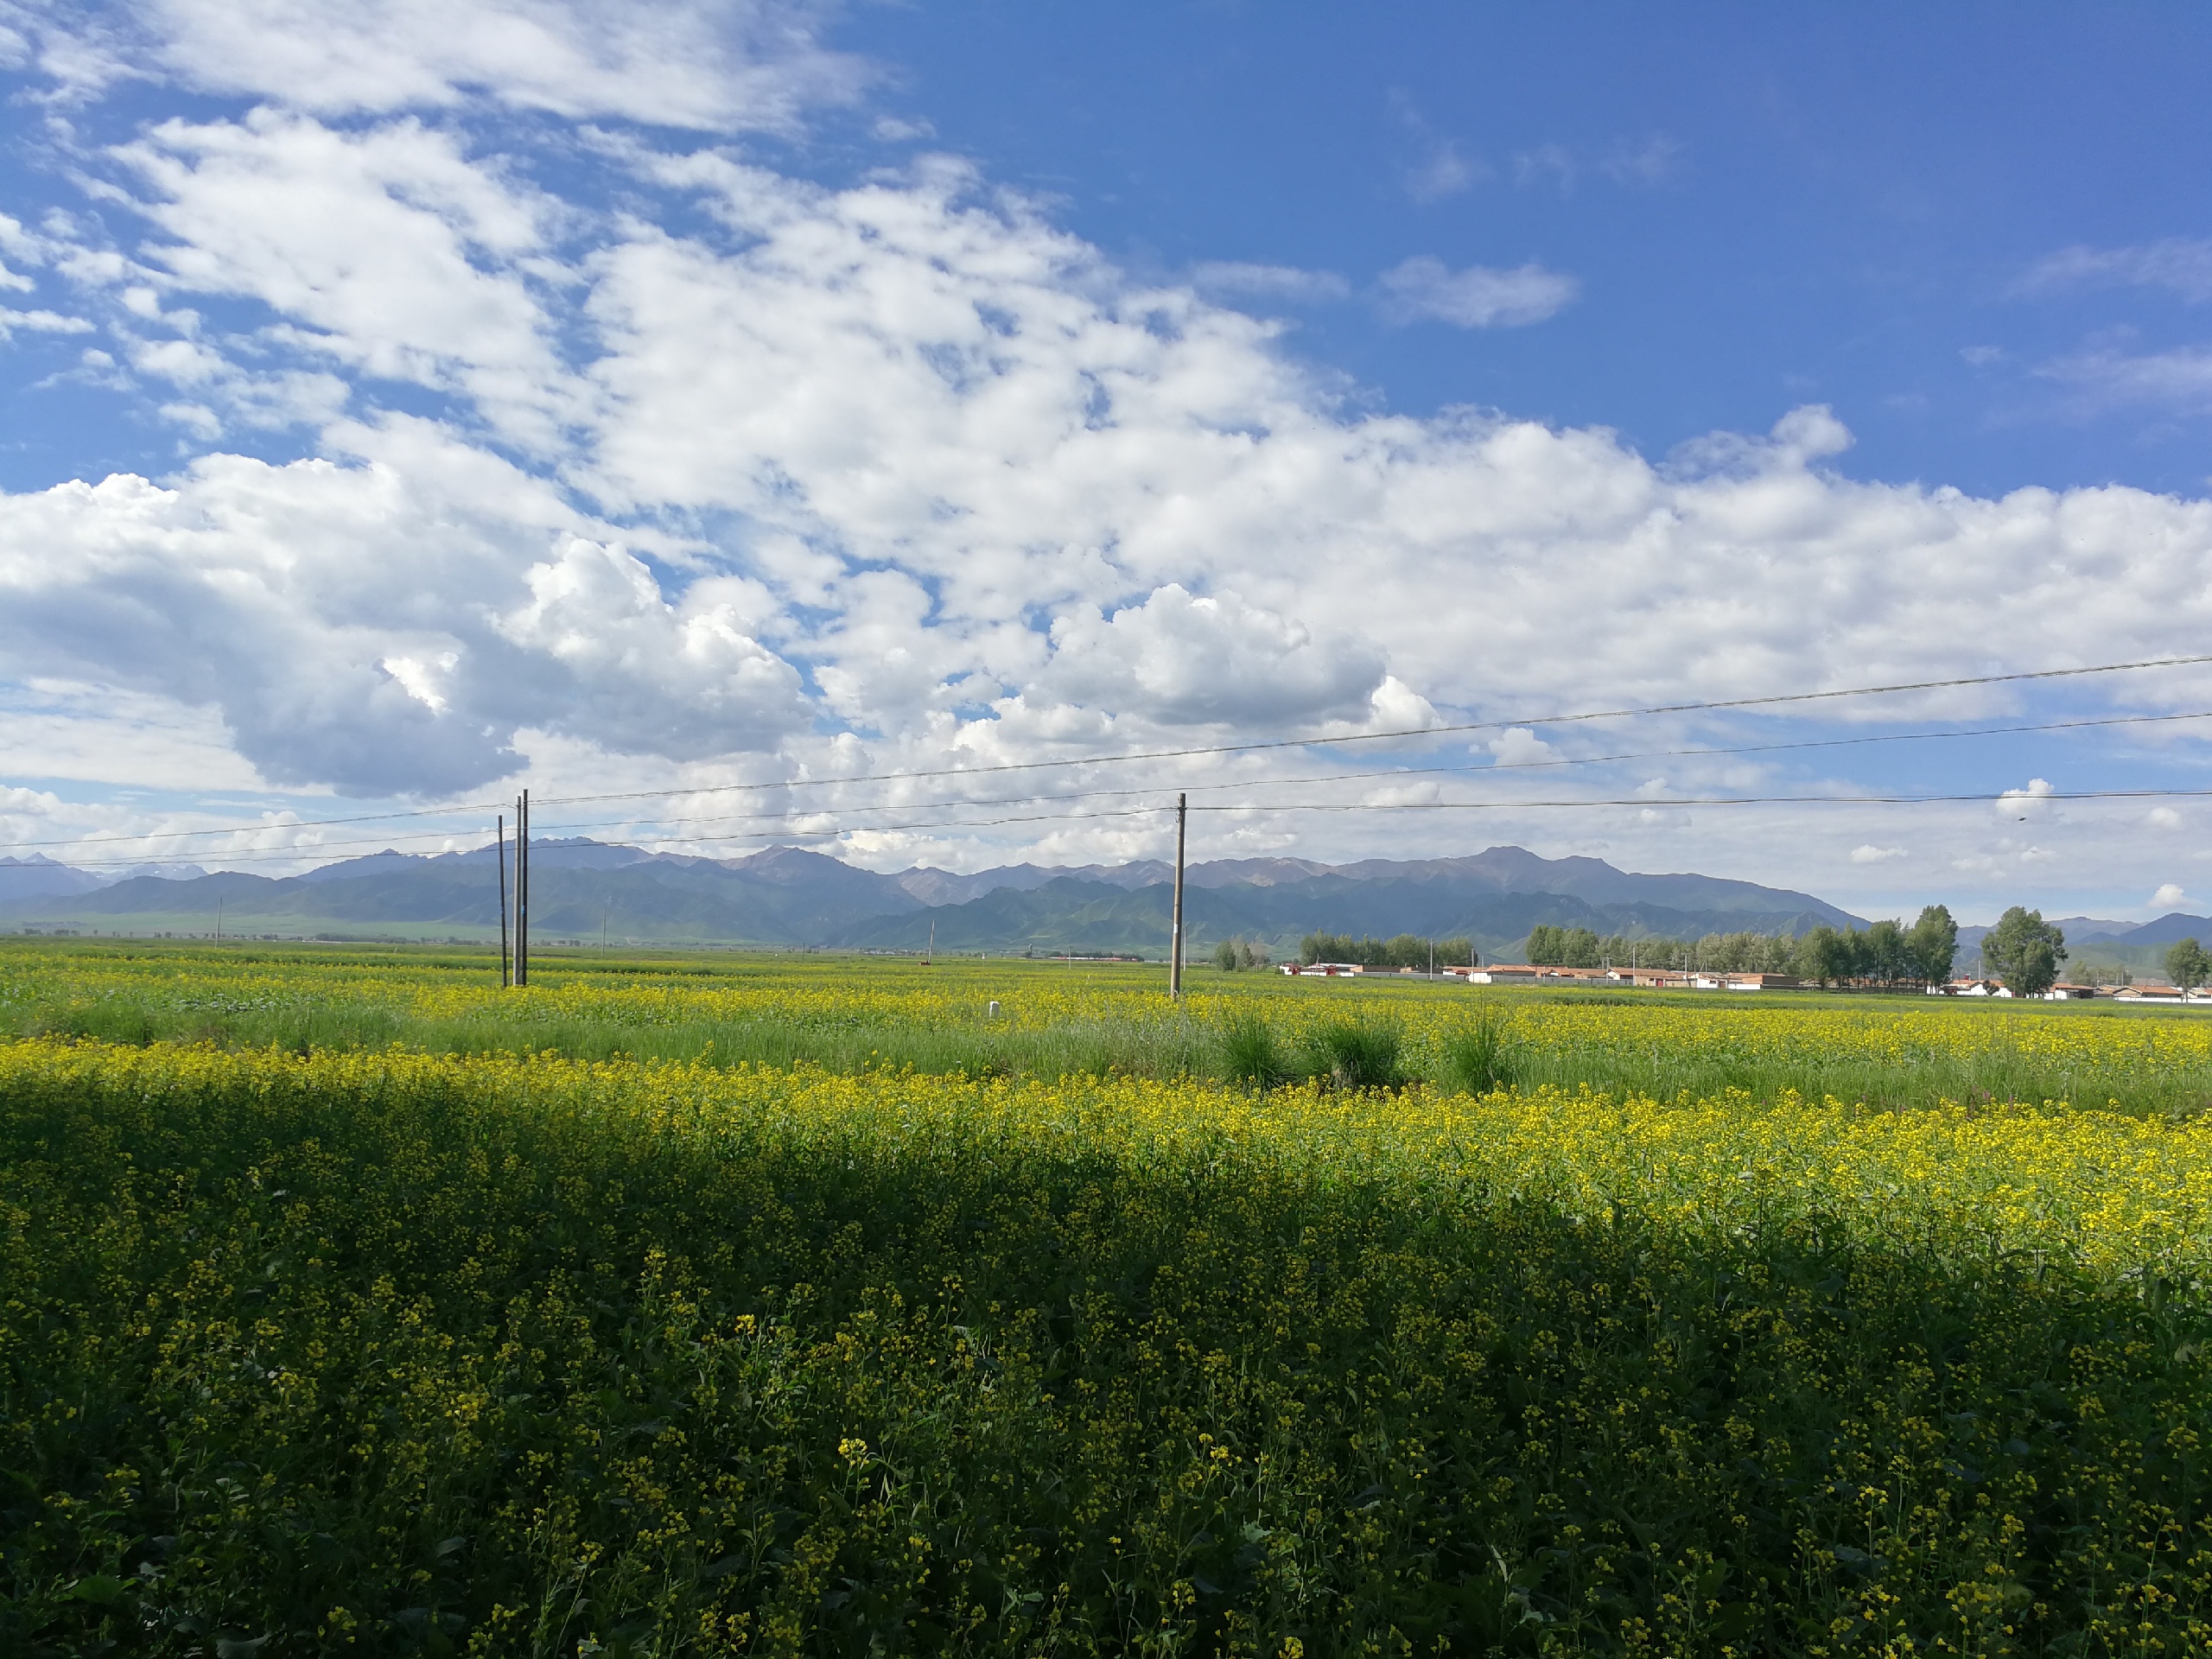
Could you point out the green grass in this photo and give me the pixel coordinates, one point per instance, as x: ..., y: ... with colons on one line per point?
x: 1268, y: 1029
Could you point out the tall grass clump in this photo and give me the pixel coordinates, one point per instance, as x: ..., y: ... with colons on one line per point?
x: 1250, y: 1053
x: 1478, y: 1058
x: 1357, y: 1053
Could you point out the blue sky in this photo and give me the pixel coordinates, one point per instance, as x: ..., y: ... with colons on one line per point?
x: 405, y: 402
x: 1762, y: 206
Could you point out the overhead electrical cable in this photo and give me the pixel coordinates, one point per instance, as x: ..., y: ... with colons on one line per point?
x: 278, y: 855
x: 1204, y: 750
x: 1980, y: 798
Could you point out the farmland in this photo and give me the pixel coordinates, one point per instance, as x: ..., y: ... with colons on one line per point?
x: 794, y: 1306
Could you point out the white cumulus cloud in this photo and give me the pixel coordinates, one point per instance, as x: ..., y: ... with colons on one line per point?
x: 721, y: 65
x: 2024, y: 804
x: 614, y: 447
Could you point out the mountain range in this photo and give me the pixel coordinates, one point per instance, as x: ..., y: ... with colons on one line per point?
x: 583, y: 890
x: 789, y: 897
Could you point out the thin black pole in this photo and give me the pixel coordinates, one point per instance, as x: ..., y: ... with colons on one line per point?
x: 1175, y: 937
x: 522, y: 889
x: 507, y: 977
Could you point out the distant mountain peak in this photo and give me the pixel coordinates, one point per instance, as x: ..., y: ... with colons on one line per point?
x: 787, y: 894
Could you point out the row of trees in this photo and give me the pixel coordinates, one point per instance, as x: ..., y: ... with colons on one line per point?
x: 1725, y: 953
x: 1888, y: 953
x: 2023, y: 949
x: 1405, y: 950
x: 1232, y: 954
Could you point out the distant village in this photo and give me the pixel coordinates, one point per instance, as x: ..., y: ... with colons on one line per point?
x: 2025, y: 951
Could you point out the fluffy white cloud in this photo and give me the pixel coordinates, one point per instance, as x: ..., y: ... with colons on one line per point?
x: 2168, y: 895
x: 2021, y: 804
x: 390, y: 251
x: 723, y: 65
x: 752, y: 474
x: 382, y: 626
x: 1213, y: 661
x: 1867, y: 853
x: 1424, y: 290
x: 1519, y: 747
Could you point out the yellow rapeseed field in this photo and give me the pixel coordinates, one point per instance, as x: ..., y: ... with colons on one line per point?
x: 478, y: 1328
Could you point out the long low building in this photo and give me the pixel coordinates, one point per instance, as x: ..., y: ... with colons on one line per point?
x: 1647, y: 978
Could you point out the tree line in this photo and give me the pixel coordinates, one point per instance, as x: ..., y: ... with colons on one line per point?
x: 1887, y: 953
x: 1725, y: 953
x: 1404, y: 950
x: 2023, y: 949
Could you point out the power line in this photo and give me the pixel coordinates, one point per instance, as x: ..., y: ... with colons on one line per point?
x: 1420, y: 731
x: 274, y: 856
x: 1976, y: 797
x: 280, y: 855
x: 1726, y: 800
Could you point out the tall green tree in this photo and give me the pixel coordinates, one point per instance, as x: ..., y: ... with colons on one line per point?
x: 2187, y: 965
x: 1823, y: 957
x: 2024, y: 950
x: 1934, y: 943
x: 1887, y: 958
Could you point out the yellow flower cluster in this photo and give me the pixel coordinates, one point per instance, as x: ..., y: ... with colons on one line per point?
x: 824, y: 995
x: 508, y: 1351
x: 2105, y: 1191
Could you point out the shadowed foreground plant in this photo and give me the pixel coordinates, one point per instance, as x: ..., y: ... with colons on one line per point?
x: 400, y: 1354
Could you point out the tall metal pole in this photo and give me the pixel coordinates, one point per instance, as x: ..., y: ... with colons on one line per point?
x: 522, y: 889
x: 507, y: 977
x: 1175, y: 937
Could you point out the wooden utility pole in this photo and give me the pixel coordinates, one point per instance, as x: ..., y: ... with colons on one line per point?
x: 522, y: 889
x: 1175, y: 934
x: 506, y: 975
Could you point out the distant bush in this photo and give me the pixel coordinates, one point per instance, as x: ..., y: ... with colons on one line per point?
x: 1404, y: 950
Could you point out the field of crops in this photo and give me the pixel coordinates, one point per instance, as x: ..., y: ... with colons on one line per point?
x: 350, y: 1304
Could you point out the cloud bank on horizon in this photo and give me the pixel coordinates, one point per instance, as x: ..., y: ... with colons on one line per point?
x: 531, y: 423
